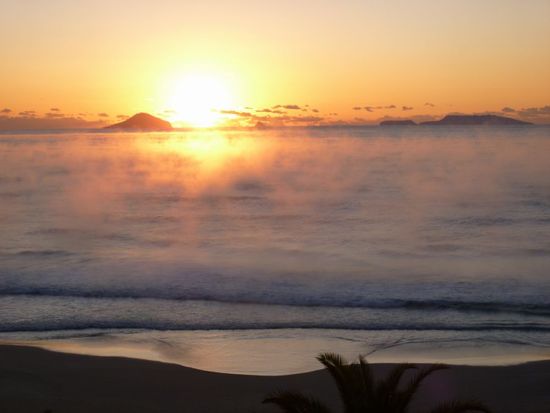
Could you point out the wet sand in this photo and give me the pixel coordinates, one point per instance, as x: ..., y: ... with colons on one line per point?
x: 35, y: 380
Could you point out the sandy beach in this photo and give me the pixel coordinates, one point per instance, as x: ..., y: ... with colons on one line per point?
x: 35, y: 380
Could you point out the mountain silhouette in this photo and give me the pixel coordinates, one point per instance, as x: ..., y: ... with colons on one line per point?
x: 476, y: 120
x: 142, y: 122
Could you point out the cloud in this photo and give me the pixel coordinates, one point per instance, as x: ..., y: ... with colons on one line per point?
x: 429, y: 104
x: 5, y: 110
x: 268, y: 118
x: 288, y: 107
x: 28, y: 113
x: 405, y: 108
x: 54, y: 110
x: 315, y: 110
x: 373, y: 108
x: 532, y: 114
x: 305, y: 119
x: 53, y: 115
x: 125, y: 116
x: 28, y: 120
x: 535, y: 112
x: 267, y: 110
x: 236, y: 113
x: 103, y: 115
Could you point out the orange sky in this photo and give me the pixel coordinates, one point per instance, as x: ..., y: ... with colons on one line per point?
x: 120, y: 57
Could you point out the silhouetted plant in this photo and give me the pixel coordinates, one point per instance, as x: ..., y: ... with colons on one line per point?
x: 360, y: 392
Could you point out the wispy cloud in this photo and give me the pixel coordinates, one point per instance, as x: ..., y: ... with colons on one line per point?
x: 28, y: 113
x: 267, y: 110
x: 53, y: 115
x: 269, y: 118
x: 532, y: 114
x: 237, y: 113
x: 305, y: 119
x: 5, y: 110
x: 374, y: 108
x: 30, y: 120
x: 288, y: 107
x: 406, y: 108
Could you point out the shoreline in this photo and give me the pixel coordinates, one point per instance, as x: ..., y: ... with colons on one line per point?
x: 285, y: 351
x: 34, y: 379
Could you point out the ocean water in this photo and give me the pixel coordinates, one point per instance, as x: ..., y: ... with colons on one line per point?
x: 383, y: 237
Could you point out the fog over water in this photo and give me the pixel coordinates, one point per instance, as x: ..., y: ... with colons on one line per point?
x: 422, y: 229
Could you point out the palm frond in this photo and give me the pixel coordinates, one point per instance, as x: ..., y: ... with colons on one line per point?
x: 410, y: 391
x: 387, y: 394
x: 360, y: 392
x: 346, y: 381
x: 292, y: 402
x: 367, y: 377
x: 391, y: 383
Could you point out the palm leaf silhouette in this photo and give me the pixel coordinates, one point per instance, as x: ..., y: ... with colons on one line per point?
x: 291, y: 402
x: 360, y: 392
x: 406, y: 396
x: 346, y: 377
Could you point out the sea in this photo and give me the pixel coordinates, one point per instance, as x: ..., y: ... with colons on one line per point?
x: 252, y: 251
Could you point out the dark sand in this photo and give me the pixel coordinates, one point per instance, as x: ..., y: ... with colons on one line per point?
x: 33, y: 380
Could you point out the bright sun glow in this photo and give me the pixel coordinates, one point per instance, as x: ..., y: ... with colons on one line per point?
x: 196, y: 100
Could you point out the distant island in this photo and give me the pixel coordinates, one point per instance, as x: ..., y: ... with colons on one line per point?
x: 460, y: 120
x: 142, y: 122
x: 406, y: 122
x: 476, y: 120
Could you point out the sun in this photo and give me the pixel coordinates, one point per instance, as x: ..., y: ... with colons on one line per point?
x: 196, y: 100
